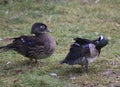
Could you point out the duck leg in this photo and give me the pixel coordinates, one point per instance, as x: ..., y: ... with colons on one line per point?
x: 85, y: 66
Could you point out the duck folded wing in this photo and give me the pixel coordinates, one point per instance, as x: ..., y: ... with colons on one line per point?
x: 24, y: 44
x: 30, y: 41
x: 76, y: 54
x: 82, y: 41
x: 35, y: 47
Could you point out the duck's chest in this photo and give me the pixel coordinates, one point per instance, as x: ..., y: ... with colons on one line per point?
x: 93, y: 53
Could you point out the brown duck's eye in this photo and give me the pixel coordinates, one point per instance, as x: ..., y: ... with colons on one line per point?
x: 42, y: 27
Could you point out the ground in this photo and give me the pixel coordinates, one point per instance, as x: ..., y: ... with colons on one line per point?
x: 67, y: 19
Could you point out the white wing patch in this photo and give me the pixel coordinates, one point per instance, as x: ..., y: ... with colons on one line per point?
x: 77, y: 44
x: 22, y: 40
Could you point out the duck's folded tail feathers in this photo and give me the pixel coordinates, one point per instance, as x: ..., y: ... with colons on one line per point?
x: 4, y: 49
x: 7, y: 39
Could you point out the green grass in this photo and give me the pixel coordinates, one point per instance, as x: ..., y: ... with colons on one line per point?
x: 67, y: 19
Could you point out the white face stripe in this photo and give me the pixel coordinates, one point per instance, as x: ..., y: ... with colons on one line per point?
x: 101, y: 37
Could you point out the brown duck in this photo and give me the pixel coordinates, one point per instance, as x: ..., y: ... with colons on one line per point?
x: 39, y: 46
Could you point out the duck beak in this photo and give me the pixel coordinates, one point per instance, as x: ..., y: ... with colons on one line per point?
x: 107, y: 41
x: 47, y: 30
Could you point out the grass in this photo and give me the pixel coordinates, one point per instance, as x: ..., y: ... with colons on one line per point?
x: 67, y: 19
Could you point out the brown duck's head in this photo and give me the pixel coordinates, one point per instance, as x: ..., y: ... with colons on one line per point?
x: 38, y: 28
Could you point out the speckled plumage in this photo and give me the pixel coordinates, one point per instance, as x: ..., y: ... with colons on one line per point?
x: 39, y: 46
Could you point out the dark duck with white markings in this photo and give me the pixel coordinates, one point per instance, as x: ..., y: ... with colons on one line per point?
x: 39, y: 46
x: 84, y: 51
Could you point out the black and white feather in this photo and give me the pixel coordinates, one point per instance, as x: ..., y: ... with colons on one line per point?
x: 84, y: 51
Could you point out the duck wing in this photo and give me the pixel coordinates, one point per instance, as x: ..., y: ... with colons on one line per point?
x: 82, y: 41
x: 24, y: 44
x: 76, y: 54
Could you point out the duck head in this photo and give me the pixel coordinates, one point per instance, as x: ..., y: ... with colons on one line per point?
x: 38, y: 28
x: 101, y: 42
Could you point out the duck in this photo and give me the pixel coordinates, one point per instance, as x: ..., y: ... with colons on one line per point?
x: 37, y: 46
x: 84, y: 51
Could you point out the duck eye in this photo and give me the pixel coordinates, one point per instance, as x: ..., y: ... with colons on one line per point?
x: 42, y: 27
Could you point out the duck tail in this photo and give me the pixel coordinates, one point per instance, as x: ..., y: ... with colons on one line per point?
x: 7, y: 47
x: 7, y: 39
x: 4, y: 48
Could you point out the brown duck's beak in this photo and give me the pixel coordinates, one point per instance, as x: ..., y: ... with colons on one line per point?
x: 47, y: 30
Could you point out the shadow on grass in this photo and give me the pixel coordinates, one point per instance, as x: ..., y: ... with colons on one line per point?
x: 18, y: 67
x: 63, y: 71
